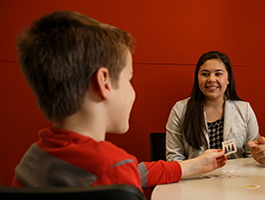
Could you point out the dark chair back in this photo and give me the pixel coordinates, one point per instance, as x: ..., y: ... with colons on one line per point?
x: 106, y: 192
x: 157, y: 146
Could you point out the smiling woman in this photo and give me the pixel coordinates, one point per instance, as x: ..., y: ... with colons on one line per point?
x: 213, y: 80
x: 213, y: 114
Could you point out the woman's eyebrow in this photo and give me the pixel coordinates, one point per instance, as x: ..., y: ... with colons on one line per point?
x: 217, y: 70
x: 204, y: 70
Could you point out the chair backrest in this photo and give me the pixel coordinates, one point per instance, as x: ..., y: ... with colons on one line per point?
x: 157, y: 146
x: 106, y: 192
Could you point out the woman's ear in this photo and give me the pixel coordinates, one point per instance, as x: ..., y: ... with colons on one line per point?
x: 104, y: 82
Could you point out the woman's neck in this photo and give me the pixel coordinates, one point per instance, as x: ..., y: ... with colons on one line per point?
x: 216, y: 103
x: 214, y: 110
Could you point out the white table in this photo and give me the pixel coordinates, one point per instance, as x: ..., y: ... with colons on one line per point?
x: 224, y: 183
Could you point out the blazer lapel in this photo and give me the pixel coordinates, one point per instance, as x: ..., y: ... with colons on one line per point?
x: 229, y: 111
x: 206, y: 132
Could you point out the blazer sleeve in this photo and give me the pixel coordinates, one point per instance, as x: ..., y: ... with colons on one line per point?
x: 174, y: 137
x: 252, y: 129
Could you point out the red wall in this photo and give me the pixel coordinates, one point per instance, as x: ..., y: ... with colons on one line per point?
x: 170, y: 35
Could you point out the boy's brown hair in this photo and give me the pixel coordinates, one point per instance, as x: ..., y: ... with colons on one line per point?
x: 60, y: 52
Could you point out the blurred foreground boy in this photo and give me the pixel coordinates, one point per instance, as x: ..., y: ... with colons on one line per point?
x: 80, y: 71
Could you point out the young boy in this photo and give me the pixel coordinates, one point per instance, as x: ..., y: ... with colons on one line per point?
x: 80, y: 71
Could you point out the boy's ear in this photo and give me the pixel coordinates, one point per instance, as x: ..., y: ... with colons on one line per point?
x: 104, y: 82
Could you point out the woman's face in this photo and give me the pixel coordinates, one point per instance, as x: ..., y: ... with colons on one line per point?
x: 213, y: 79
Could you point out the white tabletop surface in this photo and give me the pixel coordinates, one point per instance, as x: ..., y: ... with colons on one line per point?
x: 223, y: 183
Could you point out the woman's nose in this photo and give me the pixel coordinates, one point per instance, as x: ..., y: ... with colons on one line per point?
x: 211, y: 78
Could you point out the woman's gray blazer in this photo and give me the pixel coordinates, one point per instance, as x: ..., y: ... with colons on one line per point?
x: 239, y: 122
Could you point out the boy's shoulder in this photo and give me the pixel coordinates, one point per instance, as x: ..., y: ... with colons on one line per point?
x: 83, y: 151
x: 71, y: 159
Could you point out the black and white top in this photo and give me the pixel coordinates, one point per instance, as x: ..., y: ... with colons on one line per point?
x: 215, y: 130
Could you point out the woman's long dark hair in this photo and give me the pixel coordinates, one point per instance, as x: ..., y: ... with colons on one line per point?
x: 194, y: 123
